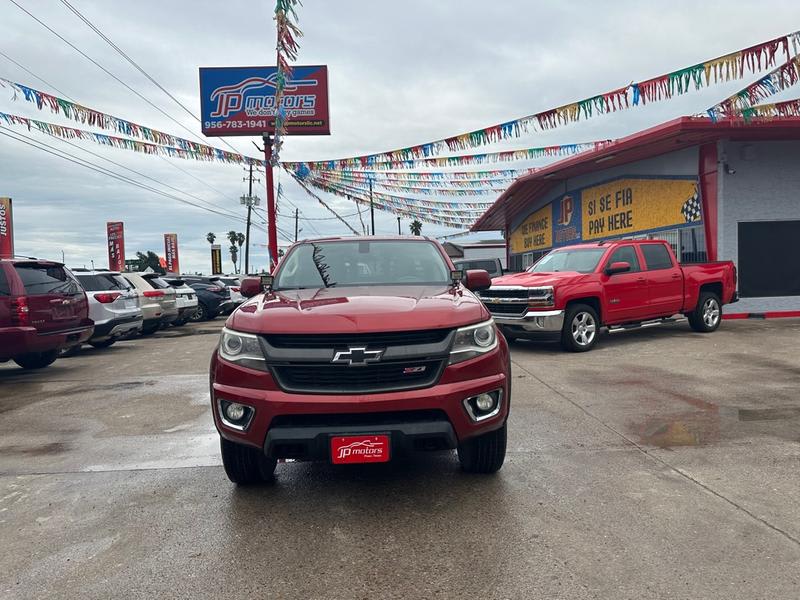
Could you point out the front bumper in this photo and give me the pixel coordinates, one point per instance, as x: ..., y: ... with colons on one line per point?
x: 298, y: 425
x: 533, y: 321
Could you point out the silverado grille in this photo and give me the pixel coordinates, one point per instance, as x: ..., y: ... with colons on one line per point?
x: 337, y: 340
x: 506, y: 309
x: 510, y: 294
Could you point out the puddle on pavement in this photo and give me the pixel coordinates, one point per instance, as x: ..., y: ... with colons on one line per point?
x: 41, y: 450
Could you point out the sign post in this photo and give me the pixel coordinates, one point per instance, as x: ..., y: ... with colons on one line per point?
x: 171, y: 253
x: 116, y: 245
x: 236, y: 101
x: 6, y: 229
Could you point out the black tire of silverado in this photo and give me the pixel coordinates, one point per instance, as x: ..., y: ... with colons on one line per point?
x: 245, y: 465
x: 707, y: 315
x: 568, y: 340
x: 485, y: 453
x: 37, y: 360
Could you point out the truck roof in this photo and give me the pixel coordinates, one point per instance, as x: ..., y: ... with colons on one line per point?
x: 365, y: 238
x: 608, y: 244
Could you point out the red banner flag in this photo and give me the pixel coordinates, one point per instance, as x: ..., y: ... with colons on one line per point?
x: 116, y: 246
x: 6, y: 229
x: 171, y: 253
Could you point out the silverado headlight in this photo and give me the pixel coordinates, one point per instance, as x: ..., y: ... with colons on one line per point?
x: 241, y: 348
x: 473, y: 341
x: 541, y: 296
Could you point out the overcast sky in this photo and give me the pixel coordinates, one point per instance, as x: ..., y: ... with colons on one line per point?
x: 401, y: 73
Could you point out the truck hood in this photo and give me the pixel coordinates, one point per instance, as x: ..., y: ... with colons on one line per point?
x: 536, y: 279
x: 358, y: 310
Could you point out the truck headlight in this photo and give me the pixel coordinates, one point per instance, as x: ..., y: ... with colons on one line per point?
x: 541, y: 297
x: 241, y: 348
x: 473, y: 341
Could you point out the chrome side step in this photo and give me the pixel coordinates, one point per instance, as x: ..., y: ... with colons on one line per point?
x: 643, y: 324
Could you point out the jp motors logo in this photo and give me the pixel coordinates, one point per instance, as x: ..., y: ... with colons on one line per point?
x: 567, y: 208
x: 231, y: 99
x: 363, y: 448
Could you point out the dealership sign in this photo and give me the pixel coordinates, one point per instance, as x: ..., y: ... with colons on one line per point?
x: 241, y: 100
x: 6, y: 229
x: 216, y: 259
x: 171, y: 253
x: 116, y: 246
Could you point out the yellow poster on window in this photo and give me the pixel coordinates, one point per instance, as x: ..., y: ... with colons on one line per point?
x: 633, y: 205
x: 535, y: 232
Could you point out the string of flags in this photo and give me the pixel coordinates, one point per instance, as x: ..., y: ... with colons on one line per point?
x: 416, y: 182
x: 439, y: 188
x: 774, y: 82
x: 724, y: 68
x: 435, y: 176
x: 788, y: 108
x: 452, y: 161
x: 287, y: 48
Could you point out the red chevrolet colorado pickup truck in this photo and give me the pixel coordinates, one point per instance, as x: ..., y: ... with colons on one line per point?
x: 360, y: 349
x: 573, y: 291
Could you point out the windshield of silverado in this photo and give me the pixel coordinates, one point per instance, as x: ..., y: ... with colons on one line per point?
x: 583, y: 261
x: 362, y: 262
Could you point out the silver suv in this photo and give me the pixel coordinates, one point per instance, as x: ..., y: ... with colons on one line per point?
x: 113, y: 306
x: 187, y: 300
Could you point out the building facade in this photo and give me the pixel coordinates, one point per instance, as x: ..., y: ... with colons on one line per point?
x: 714, y: 191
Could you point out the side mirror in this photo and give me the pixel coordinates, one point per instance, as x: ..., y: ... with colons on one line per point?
x: 252, y: 286
x: 477, y: 280
x: 618, y: 267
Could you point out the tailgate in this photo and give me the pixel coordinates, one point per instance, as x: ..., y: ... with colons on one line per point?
x: 55, y: 300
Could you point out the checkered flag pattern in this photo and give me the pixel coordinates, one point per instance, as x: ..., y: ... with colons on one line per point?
x: 691, y: 209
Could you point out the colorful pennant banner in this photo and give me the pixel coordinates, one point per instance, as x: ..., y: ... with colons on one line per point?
x: 473, y: 188
x: 437, y: 175
x: 788, y: 108
x: 774, y: 82
x: 724, y: 68
x: 287, y: 48
x: 453, y: 161
x: 101, y: 120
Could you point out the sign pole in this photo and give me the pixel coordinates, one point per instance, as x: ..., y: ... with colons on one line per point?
x: 272, y: 231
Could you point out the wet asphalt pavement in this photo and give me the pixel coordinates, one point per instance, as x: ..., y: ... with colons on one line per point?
x: 664, y: 464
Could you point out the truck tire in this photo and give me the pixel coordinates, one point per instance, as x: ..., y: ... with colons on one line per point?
x: 245, y: 465
x: 707, y: 315
x: 37, y: 360
x: 581, y: 328
x: 485, y: 453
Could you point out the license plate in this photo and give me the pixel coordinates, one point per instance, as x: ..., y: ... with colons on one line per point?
x: 62, y: 312
x: 351, y: 449
x: 130, y: 302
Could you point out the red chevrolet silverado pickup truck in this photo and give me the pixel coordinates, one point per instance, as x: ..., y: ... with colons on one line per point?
x: 359, y: 350
x: 573, y: 291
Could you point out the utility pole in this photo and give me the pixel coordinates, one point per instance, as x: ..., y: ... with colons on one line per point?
x: 250, y: 201
x: 371, y: 206
x: 272, y: 218
x: 398, y: 227
x: 296, y: 222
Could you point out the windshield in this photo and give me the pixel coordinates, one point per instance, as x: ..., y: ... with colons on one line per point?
x: 362, y: 262
x: 582, y: 260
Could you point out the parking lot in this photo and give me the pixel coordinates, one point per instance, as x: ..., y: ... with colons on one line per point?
x: 663, y: 464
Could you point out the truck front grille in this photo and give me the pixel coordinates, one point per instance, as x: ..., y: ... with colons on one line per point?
x: 320, y: 378
x: 510, y: 309
x: 336, y: 340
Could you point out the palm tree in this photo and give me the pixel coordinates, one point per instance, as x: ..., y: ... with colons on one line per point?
x: 416, y: 227
x: 210, y: 237
x: 233, y: 238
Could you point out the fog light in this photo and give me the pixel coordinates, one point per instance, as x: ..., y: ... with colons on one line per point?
x: 234, y: 415
x: 235, y: 412
x: 484, y: 406
x: 484, y: 402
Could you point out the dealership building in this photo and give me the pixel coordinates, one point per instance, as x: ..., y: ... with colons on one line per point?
x: 714, y: 191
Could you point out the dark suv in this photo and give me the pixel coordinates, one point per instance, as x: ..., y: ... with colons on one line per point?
x: 43, y: 310
x: 213, y: 298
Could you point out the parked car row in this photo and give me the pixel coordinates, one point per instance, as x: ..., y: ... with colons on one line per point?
x: 47, y: 310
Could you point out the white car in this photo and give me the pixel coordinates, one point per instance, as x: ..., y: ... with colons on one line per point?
x: 113, y: 306
x: 234, y: 287
x: 186, y: 298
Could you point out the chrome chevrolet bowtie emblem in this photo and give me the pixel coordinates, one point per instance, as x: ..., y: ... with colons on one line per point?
x: 355, y: 357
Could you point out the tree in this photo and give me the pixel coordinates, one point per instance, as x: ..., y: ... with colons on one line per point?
x: 233, y: 238
x: 416, y: 227
x: 149, y: 260
x: 210, y: 237
x: 234, y: 257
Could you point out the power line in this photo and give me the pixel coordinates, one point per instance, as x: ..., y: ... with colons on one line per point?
x: 101, y: 67
x: 102, y: 170
x: 34, y: 75
x: 124, y: 55
x: 166, y: 185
